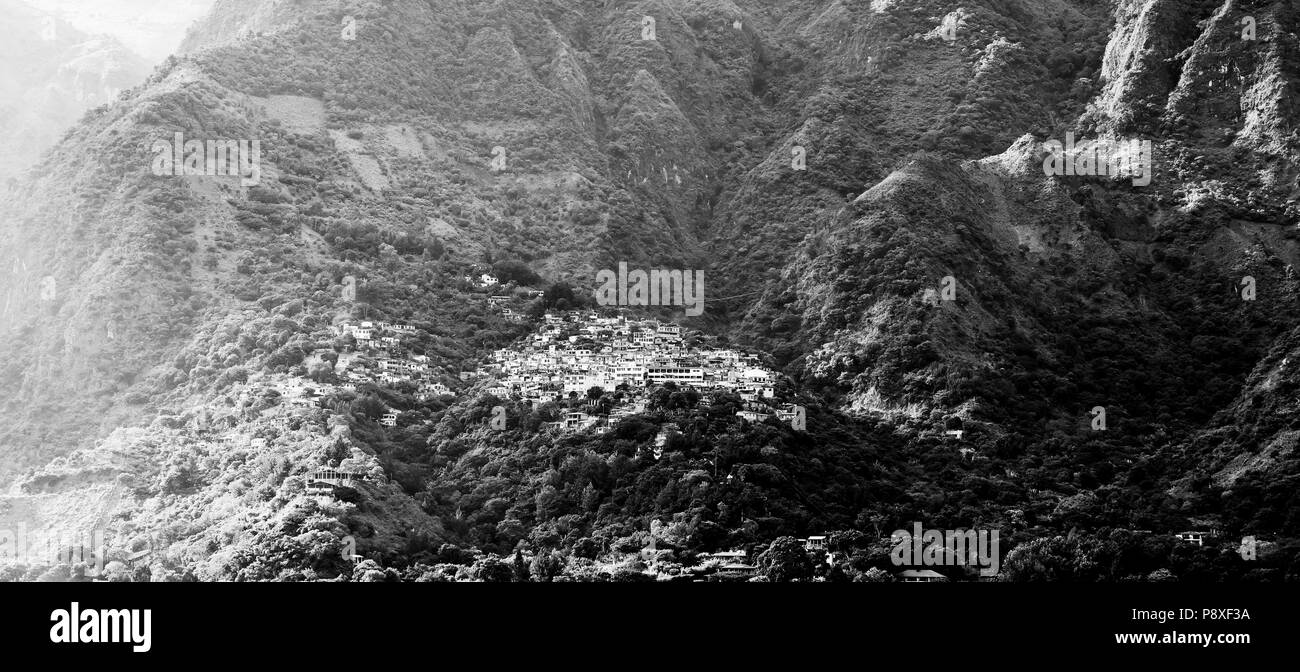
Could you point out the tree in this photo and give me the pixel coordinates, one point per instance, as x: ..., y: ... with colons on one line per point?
x: 1053, y: 559
x: 785, y: 560
x: 560, y: 296
x: 515, y: 271
x: 60, y: 573
x: 369, y: 407
x: 369, y: 571
x: 521, y: 569
x: 491, y: 569
x: 874, y: 575
x: 547, y: 565
x: 454, y: 555
x: 117, y: 572
x: 1161, y: 575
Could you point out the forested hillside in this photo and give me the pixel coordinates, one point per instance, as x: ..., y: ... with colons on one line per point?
x: 862, y: 184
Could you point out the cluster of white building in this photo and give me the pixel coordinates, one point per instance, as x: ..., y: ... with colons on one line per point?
x: 375, y: 334
x: 483, y: 280
x: 568, y: 355
x: 393, y: 365
x: 574, y: 353
x: 501, y: 302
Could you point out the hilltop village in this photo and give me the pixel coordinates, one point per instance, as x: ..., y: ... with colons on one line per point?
x: 614, y: 362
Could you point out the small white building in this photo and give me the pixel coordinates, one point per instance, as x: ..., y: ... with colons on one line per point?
x: 921, y: 576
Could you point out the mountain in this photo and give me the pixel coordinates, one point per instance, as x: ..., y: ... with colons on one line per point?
x: 152, y: 28
x: 862, y: 183
x: 52, y: 74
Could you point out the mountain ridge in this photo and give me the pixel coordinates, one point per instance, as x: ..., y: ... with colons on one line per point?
x: 924, y: 158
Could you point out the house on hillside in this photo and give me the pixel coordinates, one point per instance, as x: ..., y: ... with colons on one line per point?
x: 430, y: 391
x: 727, y: 557
x: 139, y: 558
x: 921, y: 576
x: 738, y: 569
x: 575, y: 421
x: 1206, y: 528
x: 323, y: 481
x: 787, y: 413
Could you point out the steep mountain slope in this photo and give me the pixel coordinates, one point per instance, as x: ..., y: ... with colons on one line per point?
x: 405, y: 145
x: 358, y: 150
x: 1149, y: 274
x: 134, y: 292
x: 51, y: 74
x: 883, y: 81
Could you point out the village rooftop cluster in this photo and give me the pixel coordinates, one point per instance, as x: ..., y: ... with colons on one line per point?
x: 568, y: 355
x: 572, y: 353
x: 392, y: 363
